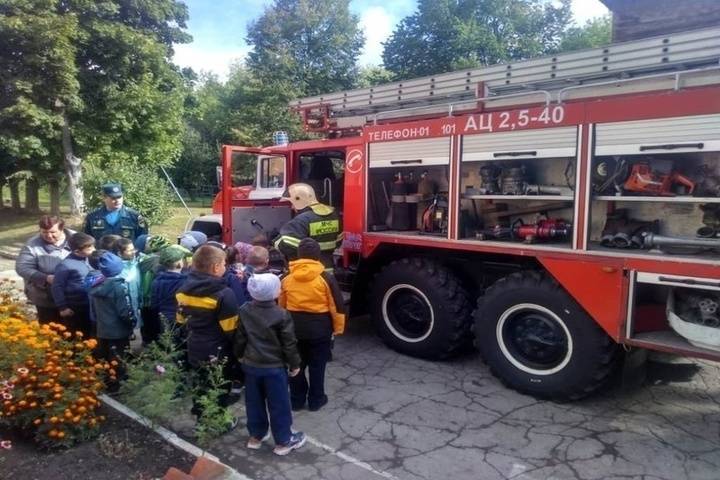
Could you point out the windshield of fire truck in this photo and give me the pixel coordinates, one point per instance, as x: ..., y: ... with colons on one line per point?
x: 264, y: 174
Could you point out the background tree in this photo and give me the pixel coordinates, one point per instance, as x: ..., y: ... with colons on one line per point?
x: 445, y: 35
x: 595, y: 33
x: 132, y: 94
x: 313, y: 45
x: 37, y: 73
x: 91, y: 79
x: 373, y: 75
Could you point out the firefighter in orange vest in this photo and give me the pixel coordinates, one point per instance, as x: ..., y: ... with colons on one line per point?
x: 313, y: 219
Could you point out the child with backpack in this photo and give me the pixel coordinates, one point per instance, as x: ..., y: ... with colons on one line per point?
x: 114, y: 314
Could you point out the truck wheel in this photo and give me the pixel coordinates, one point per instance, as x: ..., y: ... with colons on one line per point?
x: 536, y: 339
x: 420, y: 309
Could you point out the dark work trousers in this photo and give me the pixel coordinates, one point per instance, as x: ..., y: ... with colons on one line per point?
x: 152, y: 326
x: 314, y: 355
x: 113, y: 349
x: 79, y: 321
x: 266, y: 391
x: 48, y: 314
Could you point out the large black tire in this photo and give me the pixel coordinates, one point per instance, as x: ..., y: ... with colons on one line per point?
x: 537, y: 340
x: 420, y: 309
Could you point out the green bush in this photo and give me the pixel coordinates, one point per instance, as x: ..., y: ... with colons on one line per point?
x: 145, y: 190
x: 210, y: 387
x: 155, y: 384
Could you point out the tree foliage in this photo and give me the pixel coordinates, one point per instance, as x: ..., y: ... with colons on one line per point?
x: 372, y: 75
x: 37, y: 72
x: 445, y: 35
x: 95, y: 73
x: 144, y: 188
x: 595, y: 33
x: 310, y: 46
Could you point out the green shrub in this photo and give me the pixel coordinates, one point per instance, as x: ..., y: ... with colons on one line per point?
x: 144, y: 189
x: 155, y: 385
x: 215, y: 419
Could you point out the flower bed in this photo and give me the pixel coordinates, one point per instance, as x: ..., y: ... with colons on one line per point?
x: 49, y: 380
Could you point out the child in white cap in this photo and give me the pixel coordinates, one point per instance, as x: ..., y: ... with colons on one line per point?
x: 266, y: 347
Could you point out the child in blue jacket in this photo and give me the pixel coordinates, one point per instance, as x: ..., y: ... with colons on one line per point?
x: 114, y: 314
x: 68, y: 288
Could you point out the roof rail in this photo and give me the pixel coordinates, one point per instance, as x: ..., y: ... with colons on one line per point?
x: 663, y: 55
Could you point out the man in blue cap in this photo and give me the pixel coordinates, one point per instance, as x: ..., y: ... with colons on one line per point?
x: 114, y: 217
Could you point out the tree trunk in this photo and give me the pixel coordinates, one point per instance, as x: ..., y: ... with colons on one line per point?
x: 32, y: 191
x: 73, y: 169
x: 15, y: 194
x: 54, y: 186
x: 2, y: 196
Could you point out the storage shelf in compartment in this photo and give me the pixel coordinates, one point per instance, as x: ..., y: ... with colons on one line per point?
x: 629, y: 252
x: 411, y: 233
x: 527, y: 158
x: 519, y: 197
x: 678, y: 199
x: 566, y: 245
x: 667, y: 340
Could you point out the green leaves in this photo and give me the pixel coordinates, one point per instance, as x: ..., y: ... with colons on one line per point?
x: 104, y: 64
x: 144, y: 188
x: 312, y: 45
x: 445, y: 35
x: 595, y: 33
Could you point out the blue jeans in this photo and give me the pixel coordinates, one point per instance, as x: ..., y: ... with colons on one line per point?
x: 266, y: 390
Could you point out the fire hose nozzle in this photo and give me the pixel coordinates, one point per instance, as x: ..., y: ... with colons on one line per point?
x: 706, y: 232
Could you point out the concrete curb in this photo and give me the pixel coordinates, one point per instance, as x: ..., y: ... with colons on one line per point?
x: 207, y: 466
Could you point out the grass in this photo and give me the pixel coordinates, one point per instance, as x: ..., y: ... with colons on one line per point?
x: 176, y: 224
x: 17, y: 228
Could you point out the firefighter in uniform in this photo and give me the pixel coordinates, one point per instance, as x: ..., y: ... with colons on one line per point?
x: 313, y: 219
x: 114, y: 217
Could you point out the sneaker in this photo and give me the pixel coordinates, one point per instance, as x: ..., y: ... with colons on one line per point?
x: 297, y: 440
x: 255, y: 444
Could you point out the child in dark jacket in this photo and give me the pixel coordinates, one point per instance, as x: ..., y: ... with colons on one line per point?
x: 266, y: 346
x: 209, y: 312
x: 313, y: 298
x: 114, y: 314
x: 68, y: 289
x: 167, y: 282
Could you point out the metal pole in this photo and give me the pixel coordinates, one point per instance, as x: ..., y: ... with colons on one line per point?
x: 176, y: 191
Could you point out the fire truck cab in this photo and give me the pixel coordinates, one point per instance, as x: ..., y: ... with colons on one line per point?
x: 547, y: 211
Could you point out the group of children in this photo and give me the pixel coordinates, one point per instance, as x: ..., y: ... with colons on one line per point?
x: 229, y: 305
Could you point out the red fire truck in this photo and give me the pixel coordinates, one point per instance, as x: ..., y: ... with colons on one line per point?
x: 549, y: 211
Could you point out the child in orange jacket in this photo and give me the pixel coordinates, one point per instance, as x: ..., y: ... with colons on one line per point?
x: 313, y: 298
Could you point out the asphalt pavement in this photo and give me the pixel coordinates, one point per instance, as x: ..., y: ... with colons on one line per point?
x: 401, y: 418
x: 396, y: 417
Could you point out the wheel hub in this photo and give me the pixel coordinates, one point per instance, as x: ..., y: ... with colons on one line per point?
x: 534, y: 339
x: 407, y: 313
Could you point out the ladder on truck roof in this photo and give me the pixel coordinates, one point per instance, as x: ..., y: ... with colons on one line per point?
x: 694, y: 52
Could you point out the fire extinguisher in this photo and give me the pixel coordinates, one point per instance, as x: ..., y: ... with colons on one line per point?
x: 400, y: 214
